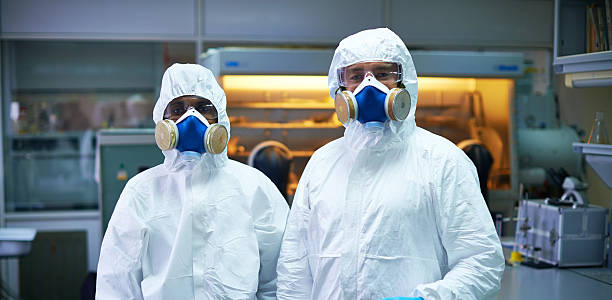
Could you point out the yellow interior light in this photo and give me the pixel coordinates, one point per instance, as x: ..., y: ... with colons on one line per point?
x: 274, y: 82
x: 319, y: 82
x: 276, y: 88
x: 447, y: 84
x: 309, y: 88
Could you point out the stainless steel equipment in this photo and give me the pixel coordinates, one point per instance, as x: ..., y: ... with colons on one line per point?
x: 563, y: 236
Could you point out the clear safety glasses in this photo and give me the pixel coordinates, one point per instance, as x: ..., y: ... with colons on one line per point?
x: 385, y: 72
x: 177, y: 108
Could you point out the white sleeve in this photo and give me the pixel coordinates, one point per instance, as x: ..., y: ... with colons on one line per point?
x: 270, y: 212
x: 120, y: 265
x: 294, y: 277
x: 468, y: 235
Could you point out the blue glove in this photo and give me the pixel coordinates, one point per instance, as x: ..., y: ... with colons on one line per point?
x: 403, y: 298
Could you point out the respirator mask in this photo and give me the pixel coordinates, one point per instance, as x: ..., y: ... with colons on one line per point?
x: 191, y: 132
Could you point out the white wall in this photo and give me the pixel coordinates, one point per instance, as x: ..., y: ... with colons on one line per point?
x: 577, y: 106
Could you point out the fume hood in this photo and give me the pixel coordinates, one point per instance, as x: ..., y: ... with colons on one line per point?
x: 282, y: 94
x: 261, y: 61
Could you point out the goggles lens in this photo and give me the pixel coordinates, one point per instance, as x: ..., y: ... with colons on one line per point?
x: 204, y: 107
x: 385, y: 72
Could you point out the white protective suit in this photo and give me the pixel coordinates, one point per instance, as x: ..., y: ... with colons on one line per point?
x: 391, y: 213
x: 203, y: 228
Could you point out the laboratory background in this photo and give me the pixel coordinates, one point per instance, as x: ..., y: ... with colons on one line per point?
x: 523, y: 87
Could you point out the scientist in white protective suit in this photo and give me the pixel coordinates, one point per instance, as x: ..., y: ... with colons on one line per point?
x: 390, y: 209
x: 198, y: 226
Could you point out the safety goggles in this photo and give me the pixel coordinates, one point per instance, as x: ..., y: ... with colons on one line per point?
x: 177, y: 108
x: 385, y: 72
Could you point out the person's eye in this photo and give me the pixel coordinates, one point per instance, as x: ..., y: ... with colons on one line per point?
x: 356, y: 78
x: 178, y: 110
x: 205, y: 108
x: 382, y: 75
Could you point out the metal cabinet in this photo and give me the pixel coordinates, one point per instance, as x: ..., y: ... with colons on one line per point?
x: 317, y: 21
x: 136, y: 19
x: 571, y: 55
x: 470, y: 23
x: 57, y: 94
x: 473, y: 23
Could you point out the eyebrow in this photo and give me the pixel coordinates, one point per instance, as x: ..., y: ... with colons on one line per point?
x: 386, y: 67
x: 353, y: 69
x: 360, y: 69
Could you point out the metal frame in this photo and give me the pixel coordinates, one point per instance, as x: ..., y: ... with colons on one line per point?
x: 275, y: 61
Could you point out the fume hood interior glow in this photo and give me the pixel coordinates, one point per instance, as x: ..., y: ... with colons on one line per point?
x: 236, y: 84
x: 448, y: 106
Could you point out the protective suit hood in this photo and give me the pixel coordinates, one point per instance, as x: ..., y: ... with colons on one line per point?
x: 379, y: 44
x: 193, y: 80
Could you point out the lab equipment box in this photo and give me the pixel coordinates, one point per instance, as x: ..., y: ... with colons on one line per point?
x: 121, y: 154
x: 563, y: 236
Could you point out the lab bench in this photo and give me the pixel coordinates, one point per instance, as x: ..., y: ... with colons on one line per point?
x: 522, y: 282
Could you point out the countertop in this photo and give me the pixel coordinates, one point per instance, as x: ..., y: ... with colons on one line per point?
x: 522, y: 282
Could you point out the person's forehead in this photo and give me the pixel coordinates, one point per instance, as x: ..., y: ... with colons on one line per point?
x: 373, y: 65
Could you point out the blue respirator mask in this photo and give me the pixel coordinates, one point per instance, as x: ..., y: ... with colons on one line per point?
x: 191, y: 132
x: 372, y: 103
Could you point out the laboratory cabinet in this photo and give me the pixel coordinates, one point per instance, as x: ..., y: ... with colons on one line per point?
x: 469, y: 23
x: 281, y: 21
x: 110, y: 19
x: 56, y: 265
x: 56, y: 95
x: 472, y: 23
x: 35, y: 67
x: 66, y: 248
x: 50, y: 172
x: 582, y: 42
